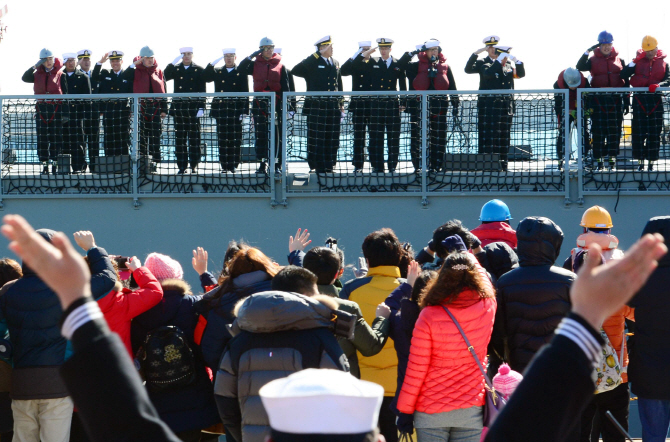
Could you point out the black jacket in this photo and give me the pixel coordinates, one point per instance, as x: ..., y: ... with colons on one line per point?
x: 225, y: 81
x: 191, y: 80
x: 318, y: 74
x: 533, y: 298
x: 496, y: 76
x: 78, y: 82
x: 360, y: 82
x: 649, y: 361
x: 477, y: 66
x: 383, y: 78
x: 110, y: 82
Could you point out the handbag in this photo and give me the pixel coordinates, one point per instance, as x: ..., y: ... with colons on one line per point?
x: 494, y: 402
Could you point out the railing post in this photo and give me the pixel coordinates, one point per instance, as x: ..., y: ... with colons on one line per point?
x: 567, y: 144
x: 136, y: 151
x: 284, y: 138
x: 272, y: 161
x: 2, y: 152
x: 580, y: 147
x: 424, y: 132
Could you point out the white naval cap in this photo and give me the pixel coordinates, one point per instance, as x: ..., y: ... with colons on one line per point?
x: 323, y: 41
x: 322, y: 401
x: 115, y: 55
x: 186, y: 49
x: 362, y: 44
x: 229, y: 51
x: 384, y: 42
x: 84, y: 53
x: 432, y: 44
x: 278, y: 51
x: 491, y: 40
x: 501, y: 48
x: 69, y: 55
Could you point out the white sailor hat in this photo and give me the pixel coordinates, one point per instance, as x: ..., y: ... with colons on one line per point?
x: 84, y: 53
x: 384, y: 42
x: 115, y: 55
x: 278, y: 51
x: 364, y: 44
x: 69, y: 55
x: 323, y: 41
x: 491, y: 40
x: 501, y: 48
x: 186, y: 49
x: 322, y: 401
x: 432, y: 44
x: 229, y: 51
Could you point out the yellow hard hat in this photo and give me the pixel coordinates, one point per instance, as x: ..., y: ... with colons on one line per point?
x: 596, y: 218
x: 649, y: 43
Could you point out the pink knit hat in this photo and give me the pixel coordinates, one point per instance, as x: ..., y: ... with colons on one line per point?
x: 163, y: 267
x: 506, y: 381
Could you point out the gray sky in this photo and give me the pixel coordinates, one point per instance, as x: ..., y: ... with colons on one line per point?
x: 546, y: 36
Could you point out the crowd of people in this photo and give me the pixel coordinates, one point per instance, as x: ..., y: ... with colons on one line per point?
x: 476, y: 314
x: 69, y: 127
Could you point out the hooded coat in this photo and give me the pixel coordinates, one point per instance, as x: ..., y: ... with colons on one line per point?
x: 533, y: 298
x: 276, y: 334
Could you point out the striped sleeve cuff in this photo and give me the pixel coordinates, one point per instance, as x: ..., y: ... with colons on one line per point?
x: 86, y: 312
x: 578, y: 331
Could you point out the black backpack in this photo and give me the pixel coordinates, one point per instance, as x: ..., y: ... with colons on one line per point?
x: 166, y: 359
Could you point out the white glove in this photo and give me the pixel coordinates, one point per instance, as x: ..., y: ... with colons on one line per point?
x: 291, y: 114
x: 501, y: 58
x: 178, y: 59
x: 362, y: 269
x: 512, y: 57
x: 201, y: 112
x: 215, y: 62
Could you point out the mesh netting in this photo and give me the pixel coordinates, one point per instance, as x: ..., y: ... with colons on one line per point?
x: 626, y: 140
x: 472, y: 143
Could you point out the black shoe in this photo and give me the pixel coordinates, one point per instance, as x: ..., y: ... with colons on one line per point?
x: 358, y: 171
x: 45, y: 170
x: 377, y: 170
x: 330, y: 170
x: 600, y: 165
x: 277, y: 168
x: 181, y: 171
x: 194, y: 169
x: 651, y: 166
x: 392, y: 170
x: 641, y: 166
x: 417, y: 171
x: 262, y: 168
x: 560, y: 165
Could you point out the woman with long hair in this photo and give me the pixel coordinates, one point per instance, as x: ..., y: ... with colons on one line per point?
x: 249, y: 271
x: 444, y: 388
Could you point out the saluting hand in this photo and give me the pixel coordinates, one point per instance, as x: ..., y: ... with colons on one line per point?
x: 479, y: 51
x: 325, y: 48
x: 138, y: 61
x: 592, y: 48
x: 369, y: 52
x: 104, y: 58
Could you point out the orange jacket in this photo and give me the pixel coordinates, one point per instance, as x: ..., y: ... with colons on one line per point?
x: 614, y: 327
x: 441, y: 373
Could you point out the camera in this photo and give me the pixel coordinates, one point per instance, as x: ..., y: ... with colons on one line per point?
x: 331, y: 243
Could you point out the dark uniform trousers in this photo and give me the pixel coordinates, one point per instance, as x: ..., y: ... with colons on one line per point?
x: 227, y: 113
x: 495, y: 125
x: 360, y: 109
x: 606, y: 122
x: 386, y: 119
x: 187, y: 132
x: 49, y: 125
x: 150, y: 128
x: 323, y: 132
x: 92, y: 133
x: 414, y: 111
x: 647, y: 126
x: 438, y: 107
x: 73, y: 134
x: 116, y: 125
x: 262, y: 120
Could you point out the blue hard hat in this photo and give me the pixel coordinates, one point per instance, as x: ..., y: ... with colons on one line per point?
x: 605, y: 38
x: 495, y: 210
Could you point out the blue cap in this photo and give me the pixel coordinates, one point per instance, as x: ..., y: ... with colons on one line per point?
x: 605, y: 38
x: 146, y: 52
x: 46, y: 53
x: 495, y: 210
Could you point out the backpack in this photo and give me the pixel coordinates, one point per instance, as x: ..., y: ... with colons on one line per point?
x: 166, y: 359
x: 609, y: 368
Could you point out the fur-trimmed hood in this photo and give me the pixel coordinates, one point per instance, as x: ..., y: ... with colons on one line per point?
x: 176, y: 285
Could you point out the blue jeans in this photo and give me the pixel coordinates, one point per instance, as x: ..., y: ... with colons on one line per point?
x: 655, y: 419
x: 449, y: 434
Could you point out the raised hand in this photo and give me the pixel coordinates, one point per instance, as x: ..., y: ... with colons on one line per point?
x: 413, y: 272
x: 300, y: 242
x: 199, y: 261
x: 84, y: 239
x: 383, y: 310
x: 133, y: 263
x: 104, y: 58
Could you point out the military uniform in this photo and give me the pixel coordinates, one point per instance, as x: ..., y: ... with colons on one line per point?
x: 116, y: 112
x: 73, y: 130
x: 323, y: 113
x: 228, y: 112
x: 187, y: 79
x: 359, y: 107
x: 92, y: 118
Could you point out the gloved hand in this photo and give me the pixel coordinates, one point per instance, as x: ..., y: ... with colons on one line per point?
x: 40, y: 63
x: 414, y: 52
x: 652, y: 87
x: 479, y: 51
x: 405, y: 423
x: 640, y: 57
x: 362, y: 269
x: 592, y: 48
x: 177, y: 60
x: 201, y: 113
x: 476, y: 243
x: 454, y: 111
x: 502, y: 57
x: 256, y: 54
x: 215, y: 62
x: 454, y: 243
x: 512, y: 57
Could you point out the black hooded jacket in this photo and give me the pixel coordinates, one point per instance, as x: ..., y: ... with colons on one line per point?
x: 533, y: 298
x: 649, y: 361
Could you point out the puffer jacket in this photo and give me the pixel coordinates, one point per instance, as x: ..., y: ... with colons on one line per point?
x: 494, y: 232
x: 650, y: 359
x: 191, y: 407
x: 368, y: 293
x: 219, y: 313
x: 533, y: 298
x: 33, y: 312
x: 441, y: 373
x: 279, y: 334
x: 497, y: 258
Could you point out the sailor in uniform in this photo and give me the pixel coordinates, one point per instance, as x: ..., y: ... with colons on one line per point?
x: 92, y: 117
x: 73, y: 130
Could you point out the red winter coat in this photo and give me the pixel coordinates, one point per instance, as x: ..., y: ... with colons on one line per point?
x: 48, y: 82
x: 605, y: 71
x: 440, y: 82
x: 145, y: 76
x: 648, y: 72
x: 441, y: 373
x: 495, y: 232
x: 267, y: 74
x: 573, y: 92
x: 121, y: 307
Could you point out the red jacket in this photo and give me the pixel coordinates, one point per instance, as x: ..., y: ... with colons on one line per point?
x: 121, y: 307
x: 267, y: 74
x: 648, y: 72
x: 145, y: 76
x: 605, y: 71
x: 495, y: 232
x: 441, y: 373
x: 48, y: 82
x: 422, y: 81
x: 573, y: 92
